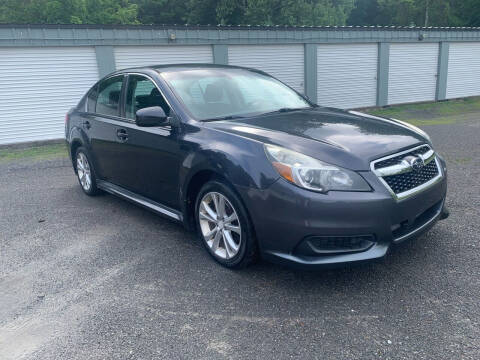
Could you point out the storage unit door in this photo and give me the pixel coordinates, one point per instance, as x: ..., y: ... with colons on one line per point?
x: 463, y: 70
x: 285, y: 62
x: 133, y: 56
x: 38, y: 87
x: 412, y: 74
x: 347, y: 75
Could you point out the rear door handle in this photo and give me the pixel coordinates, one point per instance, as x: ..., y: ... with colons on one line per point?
x: 122, y: 134
x: 86, y: 124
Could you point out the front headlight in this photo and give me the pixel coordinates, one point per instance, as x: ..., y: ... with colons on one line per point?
x: 313, y: 174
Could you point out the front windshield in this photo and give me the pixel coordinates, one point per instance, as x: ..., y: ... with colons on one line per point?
x: 210, y: 94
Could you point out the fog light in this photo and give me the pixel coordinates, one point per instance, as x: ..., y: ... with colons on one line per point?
x: 316, y: 245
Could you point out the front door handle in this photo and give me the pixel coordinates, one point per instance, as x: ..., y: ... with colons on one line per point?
x: 86, y: 124
x: 122, y: 134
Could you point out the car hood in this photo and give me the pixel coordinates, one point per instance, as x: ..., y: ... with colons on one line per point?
x: 343, y: 138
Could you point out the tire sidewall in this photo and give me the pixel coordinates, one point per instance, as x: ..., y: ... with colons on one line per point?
x: 247, y: 241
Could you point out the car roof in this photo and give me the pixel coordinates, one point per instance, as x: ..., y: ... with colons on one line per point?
x: 186, y: 66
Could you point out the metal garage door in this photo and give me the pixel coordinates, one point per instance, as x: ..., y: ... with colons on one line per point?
x: 463, y: 70
x: 412, y: 75
x: 39, y: 86
x: 285, y: 62
x: 131, y: 56
x: 347, y: 75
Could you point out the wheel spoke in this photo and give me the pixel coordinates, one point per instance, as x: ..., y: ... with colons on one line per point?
x: 216, y: 241
x: 215, y: 203
x: 233, y: 217
x: 220, y: 206
x: 79, y: 165
x: 208, y: 236
x: 205, y: 216
x: 229, y: 242
x: 212, y: 214
x: 234, y: 228
x: 228, y: 251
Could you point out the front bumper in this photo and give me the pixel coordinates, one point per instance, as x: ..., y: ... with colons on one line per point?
x: 286, y: 217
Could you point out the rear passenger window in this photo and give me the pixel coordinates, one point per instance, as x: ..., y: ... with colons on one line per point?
x: 92, y: 100
x: 109, y: 93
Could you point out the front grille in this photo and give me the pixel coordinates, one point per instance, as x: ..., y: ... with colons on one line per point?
x: 396, y: 159
x: 403, y: 182
x: 408, y: 172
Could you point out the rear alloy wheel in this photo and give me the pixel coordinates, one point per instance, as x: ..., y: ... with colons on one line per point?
x: 85, y: 173
x: 224, y: 226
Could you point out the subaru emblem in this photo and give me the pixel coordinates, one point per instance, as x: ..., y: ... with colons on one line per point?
x: 415, y: 162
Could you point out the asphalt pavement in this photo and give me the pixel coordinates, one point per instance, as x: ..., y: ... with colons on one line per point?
x: 100, y: 278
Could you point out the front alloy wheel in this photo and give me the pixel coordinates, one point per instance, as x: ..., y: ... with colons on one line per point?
x: 224, y: 226
x: 220, y: 226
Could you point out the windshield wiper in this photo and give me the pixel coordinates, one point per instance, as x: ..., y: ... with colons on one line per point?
x: 284, y: 110
x: 229, y: 117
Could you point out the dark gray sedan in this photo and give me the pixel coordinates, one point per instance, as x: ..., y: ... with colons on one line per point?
x: 254, y: 167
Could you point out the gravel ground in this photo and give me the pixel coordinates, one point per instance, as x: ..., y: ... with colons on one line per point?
x: 99, y: 278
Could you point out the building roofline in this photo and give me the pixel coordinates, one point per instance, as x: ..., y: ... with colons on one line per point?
x: 234, y: 27
x: 118, y: 35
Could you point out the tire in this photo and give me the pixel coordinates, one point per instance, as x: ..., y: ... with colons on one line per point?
x: 229, y: 239
x: 85, y: 172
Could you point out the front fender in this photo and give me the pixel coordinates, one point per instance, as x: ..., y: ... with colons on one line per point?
x: 241, y: 161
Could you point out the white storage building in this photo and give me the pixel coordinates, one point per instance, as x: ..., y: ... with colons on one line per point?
x: 44, y: 70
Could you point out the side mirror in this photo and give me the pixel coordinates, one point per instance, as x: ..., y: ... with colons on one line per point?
x: 151, y: 116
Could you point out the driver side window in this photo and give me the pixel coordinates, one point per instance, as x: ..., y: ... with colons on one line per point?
x: 142, y: 93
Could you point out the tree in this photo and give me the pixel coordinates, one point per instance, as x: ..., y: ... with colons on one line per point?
x: 161, y: 11
x: 243, y: 12
x: 413, y: 12
x: 298, y: 12
x: 69, y: 11
x: 110, y: 12
x: 364, y: 13
x: 467, y: 12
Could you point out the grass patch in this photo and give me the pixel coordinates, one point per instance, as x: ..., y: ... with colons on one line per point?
x: 432, y: 113
x: 40, y: 152
x: 434, y: 121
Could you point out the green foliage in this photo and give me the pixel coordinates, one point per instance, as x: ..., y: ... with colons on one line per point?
x: 161, y: 11
x: 242, y: 12
x: 68, y: 12
x: 298, y: 12
x: 416, y: 12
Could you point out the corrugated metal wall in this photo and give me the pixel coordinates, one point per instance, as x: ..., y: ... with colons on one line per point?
x: 130, y: 56
x: 413, y: 72
x: 39, y: 86
x: 347, y: 75
x: 44, y: 70
x: 285, y: 62
x: 463, y: 70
